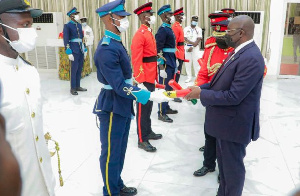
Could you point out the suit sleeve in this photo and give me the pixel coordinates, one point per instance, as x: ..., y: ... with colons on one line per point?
x: 66, y: 34
x: 113, y: 74
x: 137, y: 51
x: 247, y: 76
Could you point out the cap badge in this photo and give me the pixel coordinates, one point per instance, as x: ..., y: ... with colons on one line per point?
x: 27, y: 2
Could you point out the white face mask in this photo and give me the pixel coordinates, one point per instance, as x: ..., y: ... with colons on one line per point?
x: 76, y: 17
x: 172, y: 19
x: 152, y: 20
x: 183, y: 18
x: 194, y: 23
x: 84, y: 24
x: 27, y: 39
x: 124, y: 24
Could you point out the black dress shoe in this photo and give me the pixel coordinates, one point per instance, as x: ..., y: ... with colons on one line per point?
x: 154, y: 136
x: 170, y: 111
x: 165, y: 118
x: 146, y: 146
x: 81, y: 89
x: 202, y: 149
x: 203, y: 171
x: 219, y: 178
x: 128, y: 191
x: 73, y: 92
x: 178, y: 100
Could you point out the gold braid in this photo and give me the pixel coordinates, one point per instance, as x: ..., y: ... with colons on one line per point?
x: 209, y: 59
x: 49, y: 138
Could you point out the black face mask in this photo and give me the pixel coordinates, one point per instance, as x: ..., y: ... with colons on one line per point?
x: 230, y: 43
x: 221, y: 43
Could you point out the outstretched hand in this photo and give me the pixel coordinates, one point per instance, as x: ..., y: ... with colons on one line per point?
x: 194, y: 94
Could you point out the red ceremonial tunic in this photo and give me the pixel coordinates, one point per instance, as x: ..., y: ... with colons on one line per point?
x: 143, y: 45
x: 179, y: 34
x: 211, y: 61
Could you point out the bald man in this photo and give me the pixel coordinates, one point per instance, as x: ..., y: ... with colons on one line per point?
x: 232, y: 101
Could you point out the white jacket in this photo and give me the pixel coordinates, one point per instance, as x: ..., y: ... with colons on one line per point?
x: 88, y: 35
x: 22, y: 109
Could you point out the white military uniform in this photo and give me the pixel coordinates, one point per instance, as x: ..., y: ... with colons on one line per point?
x: 192, y: 34
x: 89, y: 40
x: 22, y: 110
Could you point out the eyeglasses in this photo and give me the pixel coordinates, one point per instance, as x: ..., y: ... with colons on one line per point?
x: 227, y: 31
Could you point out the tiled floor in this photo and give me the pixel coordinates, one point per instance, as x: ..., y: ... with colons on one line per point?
x: 272, y: 162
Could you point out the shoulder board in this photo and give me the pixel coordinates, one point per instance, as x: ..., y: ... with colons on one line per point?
x: 106, y: 41
x: 27, y: 62
x: 210, y: 45
x: 210, y: 41
x: 142, y: 31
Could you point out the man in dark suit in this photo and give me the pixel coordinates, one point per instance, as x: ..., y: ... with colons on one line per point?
x: 232, y: 101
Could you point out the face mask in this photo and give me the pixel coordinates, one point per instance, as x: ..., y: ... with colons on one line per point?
x: 84, y: 24
x: 229, y: 42
x: 183, y: 18
x: 124, y: 24
x: 194, y: 23
x: 152, y: 20
x: 27, y: 39
x: 221, y: 43
x: 76, y: 17
x: 172, y: 19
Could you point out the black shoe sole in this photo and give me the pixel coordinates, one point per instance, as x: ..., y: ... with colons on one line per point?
x: 147, y: 150
x: 127, y: 194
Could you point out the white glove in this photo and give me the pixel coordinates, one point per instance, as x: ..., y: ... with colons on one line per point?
x: 71, y: 57
x: 142, y: 86
x: 163, y: 73
x: 85, y: 55
x: 177, y: 63
x: 158, y: 96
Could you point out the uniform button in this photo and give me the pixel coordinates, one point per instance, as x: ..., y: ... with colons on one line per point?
x: 17, y: 68
x: 37, y: 138
x: 27, y: 91
x: 41, y: 159
x: 32, y: 115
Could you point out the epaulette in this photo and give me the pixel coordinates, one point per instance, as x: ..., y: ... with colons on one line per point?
x: 106, y: 41
x: 27, y: 62
x: 142, y: 31
x: 210, y: 41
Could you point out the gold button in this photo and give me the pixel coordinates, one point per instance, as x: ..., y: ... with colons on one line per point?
x: 37, y: 138
x: 17, y: 68
x: 27, y: 91
x: 41, y: 159
x: 32, y: 115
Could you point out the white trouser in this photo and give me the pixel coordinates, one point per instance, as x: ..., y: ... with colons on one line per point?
x: 193, y: 59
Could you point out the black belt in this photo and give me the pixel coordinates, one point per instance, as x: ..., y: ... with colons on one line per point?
x: 180, y: 44
x: 150, y: 59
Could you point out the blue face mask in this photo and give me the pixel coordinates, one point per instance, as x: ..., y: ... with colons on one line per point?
x: 194, y: 23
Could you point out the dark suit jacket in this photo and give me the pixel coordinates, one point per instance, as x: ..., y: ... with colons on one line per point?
x: 232, y: 99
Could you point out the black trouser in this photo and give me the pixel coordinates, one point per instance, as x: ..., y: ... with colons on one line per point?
x: 143, y: 120
x: 210, y: 153
x: 179, y: 69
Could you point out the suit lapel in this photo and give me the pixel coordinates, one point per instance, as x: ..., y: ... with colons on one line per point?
x: 233, y: 59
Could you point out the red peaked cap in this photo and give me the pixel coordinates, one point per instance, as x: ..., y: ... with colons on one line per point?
x: 179, y: 11
x: 144, y: 8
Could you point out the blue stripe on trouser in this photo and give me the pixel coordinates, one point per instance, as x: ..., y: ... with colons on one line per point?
x: 118, y: 145
x: 162, y: 107
x: 76, y: 69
